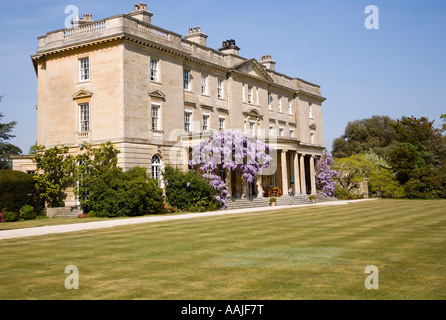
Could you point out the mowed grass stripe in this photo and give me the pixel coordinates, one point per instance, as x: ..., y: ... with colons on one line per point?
x: 300, y: 253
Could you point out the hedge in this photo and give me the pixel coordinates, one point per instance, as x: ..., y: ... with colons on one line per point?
x: 18, y: 189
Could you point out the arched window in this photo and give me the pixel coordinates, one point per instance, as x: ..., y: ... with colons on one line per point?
x: 156, y: 167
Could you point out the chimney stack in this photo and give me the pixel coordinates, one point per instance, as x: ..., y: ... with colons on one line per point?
x: 229, y: 47
x: 87, y: 18
x: 268, y: 62
x: 195, y: 35
x: 140, y: 12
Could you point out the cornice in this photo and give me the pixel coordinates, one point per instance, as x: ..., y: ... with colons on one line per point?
x: 311, y: 95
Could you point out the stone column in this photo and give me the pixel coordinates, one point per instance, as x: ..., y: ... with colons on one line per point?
x: 259, y: 186
x: 186, y: 159
x: 312, y: 175
x: 303, y: 186
x: 284, y: 173
x: 296, y: 173
x: 228, y: 182
x: 244, y: 188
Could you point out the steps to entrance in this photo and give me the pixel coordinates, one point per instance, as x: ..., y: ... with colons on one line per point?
x: 235, y: 203
x: 63, y: 212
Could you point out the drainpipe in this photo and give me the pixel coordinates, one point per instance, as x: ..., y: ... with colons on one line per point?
x: 229, y: 108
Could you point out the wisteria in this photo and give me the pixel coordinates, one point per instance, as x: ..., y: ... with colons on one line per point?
x: 230, y: 150
x: 324, y: 176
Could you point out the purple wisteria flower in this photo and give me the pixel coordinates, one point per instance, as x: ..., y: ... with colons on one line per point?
x: 230, y: 150
x: 325, y: 175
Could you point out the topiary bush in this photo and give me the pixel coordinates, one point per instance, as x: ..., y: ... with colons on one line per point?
x: 189, y: 191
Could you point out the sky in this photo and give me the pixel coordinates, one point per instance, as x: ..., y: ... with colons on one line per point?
x: 396, y: 70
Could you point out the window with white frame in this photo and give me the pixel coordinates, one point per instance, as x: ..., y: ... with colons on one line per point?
x: 292, y: 133
x: 279, y: 103
x: 156, y: 125
x: 250, y: 98
x: 187, y: 121
x: 205, y: 122
x: 84, y: 69
x: 270, y: 101
x: 271, y: 130
x: 221, y: 123
x: 252, y: 126
x: 310, y: 110
x: 290, y: 110
x: 156, y: 167
x: 154, y: 72
x: 220, y: 88
x: 281, y: 131
x: 312, y: 137
x: 186, y: 79
x: 204, y: 84
x: 84, y: 117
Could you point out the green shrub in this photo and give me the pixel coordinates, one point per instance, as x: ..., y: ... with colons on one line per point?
x: 18, y: 189
x: 117, y: 193
x: 9, y: 216
x: 273, y: 200
x: 27, y: 212
x: 189, y: 191
x: 343, y: 194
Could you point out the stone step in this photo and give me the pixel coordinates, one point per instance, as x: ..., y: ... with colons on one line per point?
x: 64, y: 212
x: 264, y: 202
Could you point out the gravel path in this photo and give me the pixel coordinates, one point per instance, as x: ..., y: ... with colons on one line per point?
x: 63, y: 228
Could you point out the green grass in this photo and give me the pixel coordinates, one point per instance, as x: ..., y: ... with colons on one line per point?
x: 301, y: 253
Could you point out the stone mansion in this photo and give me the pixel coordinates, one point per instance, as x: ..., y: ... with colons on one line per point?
x: 154, y: 93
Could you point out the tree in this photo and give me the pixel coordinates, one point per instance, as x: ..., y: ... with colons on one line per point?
x: 91, y: 163
x: 376, y: 133
x: 230, y: 150
x: 382, y: 181
x: 443, y: 118
x: 418, y: 158
x: 55, y: 169
x: 58, y: 170
x: 116, y: 193
x: 352, y: 171
x: 189, y: 191
x: 325, y: 183
x: 7, y: 149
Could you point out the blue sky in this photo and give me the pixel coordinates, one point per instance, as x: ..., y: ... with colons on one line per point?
x: 397, y: 70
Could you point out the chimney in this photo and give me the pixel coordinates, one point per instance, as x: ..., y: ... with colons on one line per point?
x: 87, y: 18
x: 268, y: 62
x: 195, y: 35
x: 229, y: 47
x: 140, y: 12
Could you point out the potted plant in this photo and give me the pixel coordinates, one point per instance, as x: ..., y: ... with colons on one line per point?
x: 272, y: 201
x: 312, y: 198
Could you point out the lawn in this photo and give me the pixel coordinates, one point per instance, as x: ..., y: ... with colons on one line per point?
x: 295, y: 253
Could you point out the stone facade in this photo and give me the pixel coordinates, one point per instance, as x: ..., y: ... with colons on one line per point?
x: 153, y: 92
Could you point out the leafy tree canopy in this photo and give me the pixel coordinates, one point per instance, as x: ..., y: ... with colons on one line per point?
x: 6, y: 149
x: 376, y: 133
